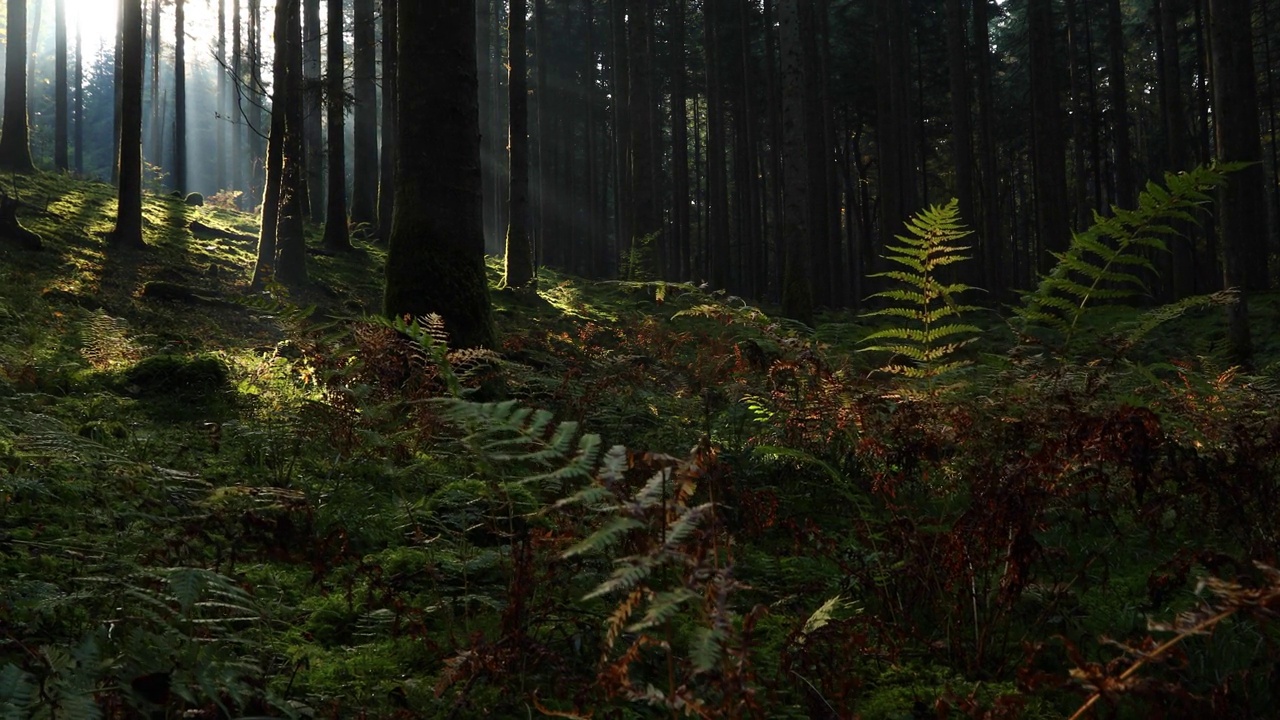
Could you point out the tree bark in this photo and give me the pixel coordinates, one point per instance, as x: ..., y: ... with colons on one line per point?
x: 387, y: 159
x: 180, y: 97
x: 797, y: 297
x: 313, y: 104
x: 518, y: 268
x: 679, y: 244
x: 1242, y: 211
x: 364, y: 167
x: 1049, y: 154
x: 435, y: 262
x: 128, y: 229
x: 79, y: 85
x: 1118, y: 84
x: 337, y: 236
x: 291, y: 249
x: 15, y: 141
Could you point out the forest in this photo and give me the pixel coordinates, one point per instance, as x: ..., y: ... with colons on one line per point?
x: 838, y: 359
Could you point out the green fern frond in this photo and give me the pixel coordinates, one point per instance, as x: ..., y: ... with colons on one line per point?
x: 1102, y: 264
x: 927, y: 305
x: 17, y: 693
x: 604, y: 537
x: 663, y: 607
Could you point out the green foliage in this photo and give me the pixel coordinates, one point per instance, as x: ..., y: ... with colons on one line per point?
x: 1105, y: 264
x: 931, y: 331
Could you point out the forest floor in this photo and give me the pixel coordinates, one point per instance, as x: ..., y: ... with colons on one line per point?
x: 650, y: 500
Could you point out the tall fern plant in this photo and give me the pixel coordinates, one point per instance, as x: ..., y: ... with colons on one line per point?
x: 1108, y: 263
x: 929, y: 327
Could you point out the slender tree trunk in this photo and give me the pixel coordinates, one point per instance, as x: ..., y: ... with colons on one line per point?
x: 1080, y: 186
x: 541, y: 142
x: 337, y: 238
x: 220, y: 132
x: 961, y: 125
x: 155, y: 131
x: 60, y: 114
x: 387, y: 160
x: 621, y: 126
x: 238, y: 138
x: 1178, y: 266
x: 180, y: 97
x: 591, y: 259
x: 79, y: 80
x: 647, y: 223
x: 518, y: 269
x: 719, y: 259
x: 364, y: 167
x: 774, y: 96
x: 679, y: 266
x: 313, y: 104
x: 117, y: 88
x: 15, y: 143
x: 797, y: 300
x: 1118, y: 85
x: 128, y: 229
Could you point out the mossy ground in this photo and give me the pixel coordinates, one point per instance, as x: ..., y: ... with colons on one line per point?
x: 143, y: 433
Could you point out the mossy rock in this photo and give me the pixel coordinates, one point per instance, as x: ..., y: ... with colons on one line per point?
x: 194, y: 199
x: 196, y: 378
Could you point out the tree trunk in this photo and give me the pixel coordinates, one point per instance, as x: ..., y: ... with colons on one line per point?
x: 387, y: 159
x: 155, y: 130
x: 797, y: 302
x: 117, y: 88
x: 336, y: 235
x: 719, y: 262
x: 238, y: 146
x: 220, y: 133
x: 291, y: 249
x: 679, y: 146
x: 518, y: 269
x: 1125, y: 184
x: 364, y: 167
x: 60, y: 115
x: 128, y: 229
x: 961, y: 125
x: 621, y: 126
x: 79, y: 85
x: 15, y: 143
x: 313, y: 104
x: 1049, y: 153
x: 435, y: 262
x: 180, y: 97
x: 647, y: 222
x: 1242, y: 211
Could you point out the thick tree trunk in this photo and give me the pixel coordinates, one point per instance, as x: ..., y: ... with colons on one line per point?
x: 621, y: 126
x: 961, y: 124
x: 291, y: 249
x: 1242, y: 211
x: 128, y: 229
x: 337, y: 237
x: 435, y: 262
x: 647, y: 221
x: 719, y: 262
x: 797, y: 297
x: 364, y: 167
x: 1049, y: 154
x: 15, y: 142
x: 518, y: 269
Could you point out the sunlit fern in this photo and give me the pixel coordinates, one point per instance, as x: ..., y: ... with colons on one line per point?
x: 1107, y: 263
x: 929, y: 329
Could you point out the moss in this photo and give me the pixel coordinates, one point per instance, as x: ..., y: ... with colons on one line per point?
x: 201, y: 376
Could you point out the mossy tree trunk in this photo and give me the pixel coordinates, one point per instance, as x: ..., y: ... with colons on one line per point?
x: 61, y: 160
x: 180, y: 97
x: 435, y: 262
x: 291, y: 248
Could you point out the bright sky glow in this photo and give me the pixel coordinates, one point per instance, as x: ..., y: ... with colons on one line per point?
x: 97, y: 23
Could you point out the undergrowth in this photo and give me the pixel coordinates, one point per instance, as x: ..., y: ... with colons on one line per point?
x: 651, y: 501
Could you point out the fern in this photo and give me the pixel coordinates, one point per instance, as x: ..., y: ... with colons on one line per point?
x: 931, y: 331
x: 1106, y: 263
